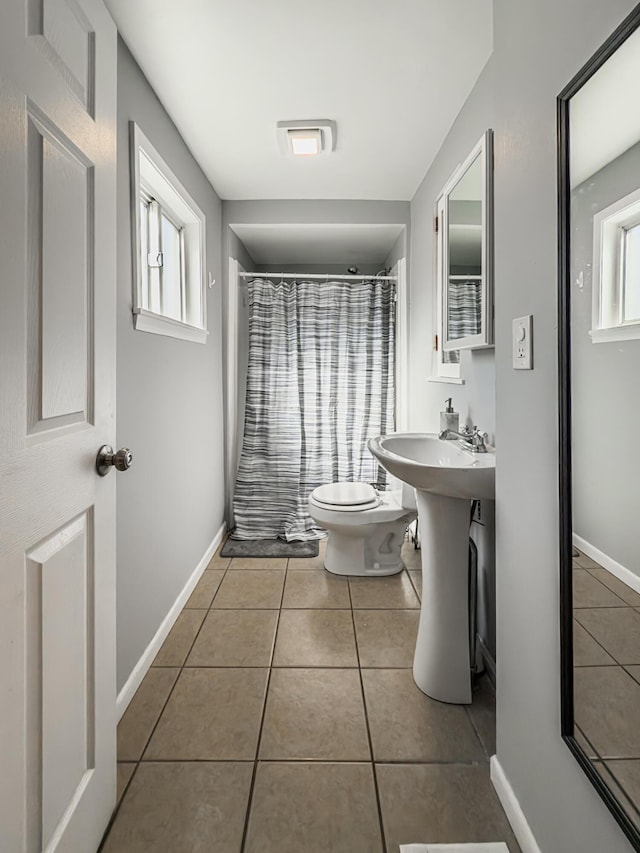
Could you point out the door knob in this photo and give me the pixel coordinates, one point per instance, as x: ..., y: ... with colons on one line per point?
x: 106, y: 459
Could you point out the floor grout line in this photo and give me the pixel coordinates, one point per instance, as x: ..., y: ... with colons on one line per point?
x: 366, y: 719
x: 245, y: 830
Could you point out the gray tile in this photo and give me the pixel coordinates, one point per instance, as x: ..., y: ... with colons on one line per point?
x: 406, y: 725
x: 315, y: 588
x: 482, y: 712
x: 315, y: 638
x: 395, y: 591
x: 196, y: 807
x: 626, y: 775
x: 634, y: 672
x: 125, y: 771
x: 616, y: 629
x: 416, y: 580
x: 314, y: 807
x: 213, y: 714
x: 628, y: 595
x: 136, y: 725
x: 250, y: 588
x: 258, y: 563
x: 315, y: 714
x: 218, y: 563
x: 440, y: 803
x: 586, y: 652
x: 605, y: 770
x: 206, y: 588
x: 589, y: 592
x: 386, y: 638
x: 606, y: 702
x: 583, y: 743
x: 235, y: 638
x: 411, y: 556
x: 175, y: 648
x: 585, y: 562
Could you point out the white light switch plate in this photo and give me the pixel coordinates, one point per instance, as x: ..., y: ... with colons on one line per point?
x: 522, y: 339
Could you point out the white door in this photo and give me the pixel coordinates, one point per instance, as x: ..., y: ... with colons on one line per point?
x: 57, y: 371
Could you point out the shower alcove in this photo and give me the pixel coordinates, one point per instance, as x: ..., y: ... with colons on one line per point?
x: 303, y: 247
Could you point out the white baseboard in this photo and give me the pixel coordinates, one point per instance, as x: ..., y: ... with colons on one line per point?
x: 511, y: 806
x: 621, y: 572
x: 489, y: 662
x: 140, y: 669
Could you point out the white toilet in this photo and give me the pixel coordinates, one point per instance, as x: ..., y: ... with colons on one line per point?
x: 366, y: 528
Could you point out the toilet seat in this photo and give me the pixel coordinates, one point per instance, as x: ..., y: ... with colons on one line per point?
x: 345, y: 497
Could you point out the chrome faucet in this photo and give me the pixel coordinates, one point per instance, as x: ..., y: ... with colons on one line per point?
x: 468, y: 439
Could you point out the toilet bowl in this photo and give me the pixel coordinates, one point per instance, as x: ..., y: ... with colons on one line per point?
x: 366, y: 528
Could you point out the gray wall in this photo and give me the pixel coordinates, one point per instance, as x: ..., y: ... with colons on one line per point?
x: 538, y: 46
x: 337, y: 211
x: 604, y: 399
x: 170, y: 504
x: 475, y: 399
x: 398, y: 250
x: 317, y: 269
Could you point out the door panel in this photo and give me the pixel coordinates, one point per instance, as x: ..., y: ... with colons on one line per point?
x: 64, y: 34
x: 57, y: 387
x: 60, y: 668
x: 60, y: 226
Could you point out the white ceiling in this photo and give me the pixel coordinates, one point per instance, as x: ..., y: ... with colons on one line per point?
x: 604, y: 114
x: 318, y: 244
x: 393, y: 74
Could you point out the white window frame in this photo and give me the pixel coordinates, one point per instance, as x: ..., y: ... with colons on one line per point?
x: 153, y: 181
x: 609, y: 229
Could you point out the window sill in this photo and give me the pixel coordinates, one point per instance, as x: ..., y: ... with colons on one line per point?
x: 147, y: 321
x: 448, y: 380
x: 630, y: 332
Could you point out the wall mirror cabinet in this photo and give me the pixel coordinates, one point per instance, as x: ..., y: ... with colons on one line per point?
x: 599, y: 359
x: 465, y: 263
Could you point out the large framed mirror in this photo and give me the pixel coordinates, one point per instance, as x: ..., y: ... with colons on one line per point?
x: 465, y: 218
x: 599, y: 382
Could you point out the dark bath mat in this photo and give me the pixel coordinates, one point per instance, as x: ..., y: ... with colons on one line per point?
x: 269, y: 548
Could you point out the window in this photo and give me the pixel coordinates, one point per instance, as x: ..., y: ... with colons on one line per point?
x: 169, y: 230
x: 616, y: 271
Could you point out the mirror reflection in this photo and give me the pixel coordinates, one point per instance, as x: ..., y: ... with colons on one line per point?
x: 604, y: 230
x: 464, y: 259
x: 464, y: 235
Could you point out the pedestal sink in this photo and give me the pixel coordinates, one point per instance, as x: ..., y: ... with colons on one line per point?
x: 446, y: 478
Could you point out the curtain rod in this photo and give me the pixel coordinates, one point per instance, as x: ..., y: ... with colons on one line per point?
x: 319, y: 277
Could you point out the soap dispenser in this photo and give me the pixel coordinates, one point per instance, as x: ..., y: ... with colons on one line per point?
x: 449, y: 419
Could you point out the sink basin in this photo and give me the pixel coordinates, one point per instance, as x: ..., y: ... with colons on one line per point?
x: 446, y: 477
x: 435, y: 466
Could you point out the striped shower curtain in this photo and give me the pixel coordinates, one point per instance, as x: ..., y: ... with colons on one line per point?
x: 464, y: 307
x: 320, y: 383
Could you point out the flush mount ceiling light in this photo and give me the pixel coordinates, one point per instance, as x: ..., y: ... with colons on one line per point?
x: 307, y: 138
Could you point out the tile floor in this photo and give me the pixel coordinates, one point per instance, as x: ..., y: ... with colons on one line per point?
x: 607, y: 664
x: 281, y: 715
